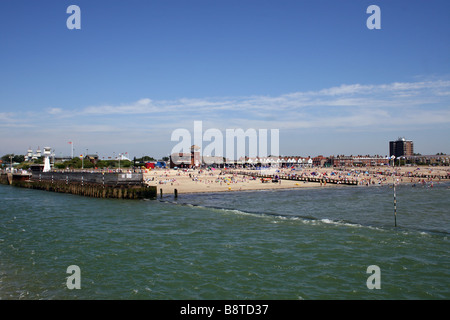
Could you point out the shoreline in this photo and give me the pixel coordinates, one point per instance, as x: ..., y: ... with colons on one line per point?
x: 165, y: 181
x: 193, y: 181
x: 340, y: 186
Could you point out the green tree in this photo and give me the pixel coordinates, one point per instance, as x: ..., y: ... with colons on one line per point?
x: 87, y: 164
x: 146, y: 158
x: 7, y: 158
x: 60, y: 165
x: 39, y: 161
x: 125, y: 163
x: 74, y: 163
x: 19, y: 158
x: 15, y: 158
x: 102, y: 164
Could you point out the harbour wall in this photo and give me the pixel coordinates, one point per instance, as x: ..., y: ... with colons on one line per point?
x: 95, y: 184
x: 6, y: 178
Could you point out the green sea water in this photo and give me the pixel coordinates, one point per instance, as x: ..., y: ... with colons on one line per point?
x: 291, y: 244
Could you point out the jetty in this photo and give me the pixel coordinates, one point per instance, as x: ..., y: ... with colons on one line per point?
x: 117, y: 185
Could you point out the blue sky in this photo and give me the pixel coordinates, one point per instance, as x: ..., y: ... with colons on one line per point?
x: 137, y: 70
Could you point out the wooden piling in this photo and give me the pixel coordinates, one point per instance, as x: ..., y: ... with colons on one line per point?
x: 90, y: 189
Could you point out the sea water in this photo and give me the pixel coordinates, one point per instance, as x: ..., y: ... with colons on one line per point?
x: 289, y: 244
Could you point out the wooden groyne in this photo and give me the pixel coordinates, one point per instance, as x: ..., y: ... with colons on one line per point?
x: 275, y: 177
x: 90, y: 184
x: 416, y: 175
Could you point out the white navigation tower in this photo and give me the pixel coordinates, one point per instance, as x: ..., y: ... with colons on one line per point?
x: 47, y: 153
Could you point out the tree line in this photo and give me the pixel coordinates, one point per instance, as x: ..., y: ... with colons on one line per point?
x: 77, y: 163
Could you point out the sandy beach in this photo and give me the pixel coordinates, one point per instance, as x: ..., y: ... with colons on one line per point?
x: 195, y: 181
x: 227, y: 180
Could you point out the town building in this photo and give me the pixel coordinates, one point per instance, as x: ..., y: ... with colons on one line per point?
x: 401, y: 147
x: 93, y: 158
x: 186, y: 160
x: 33, y: 156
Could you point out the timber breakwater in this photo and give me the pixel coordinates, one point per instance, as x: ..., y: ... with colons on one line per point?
x: 275, y: 177
x: 91, y: 184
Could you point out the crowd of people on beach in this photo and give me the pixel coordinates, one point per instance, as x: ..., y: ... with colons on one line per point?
x: 201, y: 176
x: 244, y: 178
x: 371, y: 176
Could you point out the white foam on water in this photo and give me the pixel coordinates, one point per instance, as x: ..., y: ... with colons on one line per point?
x: 277, y: 218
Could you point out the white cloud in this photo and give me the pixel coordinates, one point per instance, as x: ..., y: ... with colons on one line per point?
x: 54, y: 111
x: 350, y: 106
x: 141, y: 106
x: 347, y: 98
x: 395, y: 107
x: 6, y: 116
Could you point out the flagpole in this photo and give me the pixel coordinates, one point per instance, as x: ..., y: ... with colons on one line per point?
x: 71, y: 144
